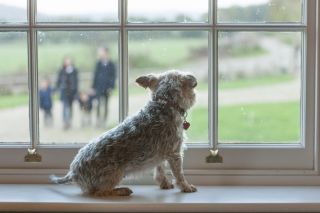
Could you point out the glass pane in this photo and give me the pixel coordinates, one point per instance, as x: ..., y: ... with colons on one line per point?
x: 259, y: 87
x: 14, y: 98
x: 159, y: 51
x: 259, y: 11
x: 178, y: 11
x: 13, y: 11
x: 77, y: 11
x: 77, y: 85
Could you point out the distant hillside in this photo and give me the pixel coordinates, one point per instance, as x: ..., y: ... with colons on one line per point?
x: 12, y: 14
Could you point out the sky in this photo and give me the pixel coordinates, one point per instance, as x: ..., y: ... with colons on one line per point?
x: 55, y: 7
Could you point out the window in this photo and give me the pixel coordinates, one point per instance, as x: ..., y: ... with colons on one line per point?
x: 54, y: 49
x: 255, y: 62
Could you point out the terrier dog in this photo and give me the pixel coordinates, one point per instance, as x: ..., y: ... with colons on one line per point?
x: 143, y: 141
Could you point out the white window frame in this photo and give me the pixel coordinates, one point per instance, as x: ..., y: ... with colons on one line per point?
x: 243, y: 164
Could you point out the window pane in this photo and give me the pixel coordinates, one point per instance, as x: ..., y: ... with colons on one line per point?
x: 77, y: 11
x: 14, y: 109
x: 159, y: 51
x: 259, y: 11
x: 77, y: 77
x: 178, y: 11
x: 259, y: 87
x: 13, y: 11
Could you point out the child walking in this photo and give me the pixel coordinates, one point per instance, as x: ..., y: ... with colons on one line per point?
x: 85, y: 101
x: 46, y: 101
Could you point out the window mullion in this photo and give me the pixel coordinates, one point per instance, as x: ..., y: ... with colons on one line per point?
x: 123, y: 59
x: 33, y: 76
x: 213, y: 73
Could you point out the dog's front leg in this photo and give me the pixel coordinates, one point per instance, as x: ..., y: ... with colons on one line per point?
x: 175, y: 162
x: 160, y: 177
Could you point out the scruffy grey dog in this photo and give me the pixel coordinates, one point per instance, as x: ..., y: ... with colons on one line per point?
x: 145, y: 140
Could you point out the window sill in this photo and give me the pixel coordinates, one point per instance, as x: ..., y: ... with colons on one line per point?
x: 47, y: 197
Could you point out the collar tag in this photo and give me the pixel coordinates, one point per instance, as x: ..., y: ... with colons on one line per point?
x: 185, y: 123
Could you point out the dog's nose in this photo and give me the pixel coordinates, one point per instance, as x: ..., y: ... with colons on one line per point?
x: 193, y: 80
x: 195, y: 84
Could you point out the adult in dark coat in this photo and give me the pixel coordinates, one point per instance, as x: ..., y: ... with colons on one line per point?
x: 67, y: 84
x: 103, y: 84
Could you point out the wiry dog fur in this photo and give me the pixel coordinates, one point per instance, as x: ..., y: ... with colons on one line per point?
x: 142, y: 141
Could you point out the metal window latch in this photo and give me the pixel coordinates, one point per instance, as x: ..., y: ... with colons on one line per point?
x: 32, y: 156
x: 214, y: 157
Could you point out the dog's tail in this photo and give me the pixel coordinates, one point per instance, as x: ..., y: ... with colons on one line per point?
x: 61, y: 180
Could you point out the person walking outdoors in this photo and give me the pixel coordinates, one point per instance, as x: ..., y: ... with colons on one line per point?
x: 103, y: 84
x: 67, y: 84
x: 45, y: 94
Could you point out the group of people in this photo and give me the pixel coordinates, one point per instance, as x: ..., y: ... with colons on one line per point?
x: 67, y: 85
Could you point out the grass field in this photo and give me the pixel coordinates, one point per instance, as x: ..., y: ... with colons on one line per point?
x: 163, y: 53
x: 262, y: 123
x: 156, y: 53
x: 255, y: 81
x: 160, y: 54
x: 9, y: 101
x: 250, y: 123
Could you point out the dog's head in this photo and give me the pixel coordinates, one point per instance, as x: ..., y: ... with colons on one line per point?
x: 172, y: 86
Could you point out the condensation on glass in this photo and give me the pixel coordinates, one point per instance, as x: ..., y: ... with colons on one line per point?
x: 178, y: 11
x: 77, y: 11
x: 78, y: 70
x: 14, y: 98
x: 260, y: 11
x: 13, y: 11
x: 259, y: 87
x: 159, y: 51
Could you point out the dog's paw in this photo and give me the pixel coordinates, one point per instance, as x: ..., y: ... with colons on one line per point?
x: 123, y: 191
x: 166, y: 185
x: 187, y: 188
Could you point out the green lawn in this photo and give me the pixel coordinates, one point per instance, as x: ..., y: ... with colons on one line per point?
x: 163, y: 53
x: 13, y: 58
x: 160, y: 53
x: 262, y: 123
x: 255, y: 81
x: 198, y: 131
x: 9, y: 101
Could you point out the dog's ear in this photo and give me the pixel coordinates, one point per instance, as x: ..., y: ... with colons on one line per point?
x: 147, y: 81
